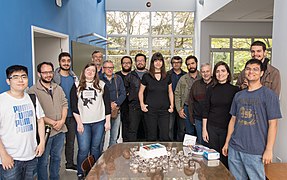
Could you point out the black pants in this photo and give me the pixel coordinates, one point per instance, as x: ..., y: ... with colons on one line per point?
x: 217, y: 138
x: 125, y: 121
x: 70, y: 140
x: 136, y: 116
x: 157, y: 120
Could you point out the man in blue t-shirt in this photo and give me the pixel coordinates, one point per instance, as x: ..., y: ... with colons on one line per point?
x: 65, y: 77
x: 252, y: 127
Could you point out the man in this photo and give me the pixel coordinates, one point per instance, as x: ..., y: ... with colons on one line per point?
x: 52, y: 98
x: 97, y: 58
x: 197, y: 99
x: 18, y: 145
x: 176, y: 73
x: 181, y: 95
x: 65, y: 77
x: 132, y: 84
x: 126, y: 63
x: 252, y: 127
x: 271, y: 76
x: 117, y: 90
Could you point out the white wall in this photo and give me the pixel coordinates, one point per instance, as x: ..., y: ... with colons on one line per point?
x: 156, y: 5
x: 279, y: 61
x: 229, y: 29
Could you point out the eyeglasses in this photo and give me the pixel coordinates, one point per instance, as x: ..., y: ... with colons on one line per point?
x: 252, y: 69
x: 126, y: 63
x: 47, y: 72
x: 109, y: 67
x: 18, y: 77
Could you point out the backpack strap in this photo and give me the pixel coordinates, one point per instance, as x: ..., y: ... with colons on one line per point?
x: 33, y: 99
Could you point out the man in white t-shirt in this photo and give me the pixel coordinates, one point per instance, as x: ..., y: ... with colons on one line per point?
x: 18, y: 144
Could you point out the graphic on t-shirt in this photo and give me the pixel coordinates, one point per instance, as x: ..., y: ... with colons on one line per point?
x: 23, y: 118
x: 88, y: 96
x: 247, y: 116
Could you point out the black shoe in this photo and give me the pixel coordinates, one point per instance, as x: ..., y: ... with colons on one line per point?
x: 71, y: 168
x: 80, y: 177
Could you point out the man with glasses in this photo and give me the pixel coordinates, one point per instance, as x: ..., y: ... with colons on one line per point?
x: 271, y: 77
x: 126, y: 63
x: 52, y: 98
x: 117, y: 90
x: 65, y: 77
x: 176, y: 73
x: 18, y: 118
x: 132, y: 84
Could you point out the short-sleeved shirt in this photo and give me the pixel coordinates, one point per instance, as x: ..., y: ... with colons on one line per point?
x: 253, y: 110
x: 157, y: 92
x: 66, y: 84
x: 18, y: 126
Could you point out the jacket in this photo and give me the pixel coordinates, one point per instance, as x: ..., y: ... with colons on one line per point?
x: 57, y: 76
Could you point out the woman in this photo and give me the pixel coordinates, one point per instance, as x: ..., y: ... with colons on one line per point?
x: 216, y: 115
x: 158, y: 102
x: 90, y: 102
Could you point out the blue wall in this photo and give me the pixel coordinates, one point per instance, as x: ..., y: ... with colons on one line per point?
x: 75, y: 18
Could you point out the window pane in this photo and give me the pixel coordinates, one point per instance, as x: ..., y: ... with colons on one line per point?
x: 116, y: 22
x: 135, y: 52
x: 183, y: 53
x: 220, y: 56
x: 161, y: 51
x: 267, y: 41
x: 220, y: 43
x: 138, y: 43
x: 183, y: 23
x: 182, y: 42
x: 241, y: 43
x: 117, y: 52
x: 161, y: 23
x: 117, y: 42
x: 158, y: 43
x: 139, y: 23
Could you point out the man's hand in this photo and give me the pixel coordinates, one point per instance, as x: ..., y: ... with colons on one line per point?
x: 225, y: 150
x: 7, y: 161
x: 182, y: 114
x: 40, y: 149
x: 113, y: 105
x: 58, y: 125
x: 267, y: 156
x: 205, y: 136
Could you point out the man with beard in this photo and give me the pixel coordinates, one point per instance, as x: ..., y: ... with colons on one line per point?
x: 126, y: 63
x: 181, y: 96
x: 132, y: 84
x: 97, y: 58
x: 65, y: 77
x: 52, y: 99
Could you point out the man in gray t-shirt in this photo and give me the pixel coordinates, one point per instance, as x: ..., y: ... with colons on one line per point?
x: 252, y: 127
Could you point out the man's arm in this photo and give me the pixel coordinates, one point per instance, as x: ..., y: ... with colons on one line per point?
x: 229, y: 133
x: 268, y: 153
x: 41, y: 131
x: 59, y: 123
x: 7, y: 160
x: 276, y: 85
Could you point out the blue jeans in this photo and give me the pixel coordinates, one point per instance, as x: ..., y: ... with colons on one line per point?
x: 89, y: 142
x: 189, y: 127
x: 54, y: 150
x: 245, y: 166
x: 115, y: 125
x: 23, y: 170
x: 198, y: 127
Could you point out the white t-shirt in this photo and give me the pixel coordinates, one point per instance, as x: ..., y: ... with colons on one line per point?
x: 18, y: 126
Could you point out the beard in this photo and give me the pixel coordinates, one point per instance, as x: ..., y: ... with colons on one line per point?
x: 126, y: 70
x: 46, y: 81
x: 141, y: 68
x: 64, y: 69
x: 192, y: 70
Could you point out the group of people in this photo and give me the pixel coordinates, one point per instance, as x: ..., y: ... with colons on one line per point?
x: 239, y: 121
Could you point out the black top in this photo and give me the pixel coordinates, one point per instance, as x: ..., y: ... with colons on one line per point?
x: 219, y: 99
x: 156, y: 92
x: 126, y: 101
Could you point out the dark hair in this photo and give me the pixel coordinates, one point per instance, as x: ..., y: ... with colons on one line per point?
x: 96, y: 51
x: 222, y: 63
x: 44, y: 63
x: 255, y: 61
x: 83, y: 82
x: 157, y: 56
x: 190, y: 57
x: 175, y: 58
x: 15, y: 68
x: 259, y: 43
x: 140, y: 54
x: 63, y: 54
x: 126, y: 57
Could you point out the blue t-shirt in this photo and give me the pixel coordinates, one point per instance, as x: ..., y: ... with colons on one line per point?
x: 253, y: 110
x: 66, y: 84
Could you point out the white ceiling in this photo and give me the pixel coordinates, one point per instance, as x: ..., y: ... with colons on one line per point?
x: 245, y: 11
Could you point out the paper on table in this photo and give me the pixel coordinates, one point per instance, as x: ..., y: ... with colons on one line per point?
x: 189, y: 140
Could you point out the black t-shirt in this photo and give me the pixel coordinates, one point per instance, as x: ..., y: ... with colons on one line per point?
x: 156, y: 92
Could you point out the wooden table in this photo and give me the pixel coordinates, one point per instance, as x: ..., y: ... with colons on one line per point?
x: 276, y: 171
x: 112, y: 165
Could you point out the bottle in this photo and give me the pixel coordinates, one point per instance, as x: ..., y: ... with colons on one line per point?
x: 47, y: 133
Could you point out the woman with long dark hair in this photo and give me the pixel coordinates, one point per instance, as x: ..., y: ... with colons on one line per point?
x: 158, y: 101
x: 90, y: 102
x: 216, y: 115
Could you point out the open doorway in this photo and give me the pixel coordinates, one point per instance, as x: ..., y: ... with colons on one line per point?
x: 46, y: 46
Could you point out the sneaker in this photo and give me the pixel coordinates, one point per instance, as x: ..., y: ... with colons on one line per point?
x: 80, y: 177
x: 71, y: 168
